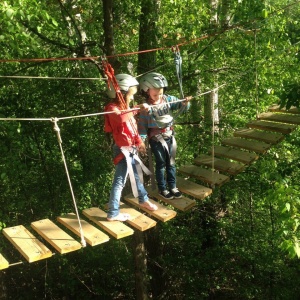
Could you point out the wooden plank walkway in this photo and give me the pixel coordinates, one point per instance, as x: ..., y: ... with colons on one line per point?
x: 270, y: 138
x: 92, y: 235
x: 117, y: 229
x: 3, y: 262
x: 280, y: 117
x: 209, y: 176
x: 243, y: 148
x: 193, y: 189
x: 272, y: 126
x: 137, y: 219
x: 163, y: 213
x: 242, y: 156
x: 259, y: 147
x: 232, y: 168
x: 182, y: 204
x: 292, y: 110
x: 26, y: 243
x: 55, y: 236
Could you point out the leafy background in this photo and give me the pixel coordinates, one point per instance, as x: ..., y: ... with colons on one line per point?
x: 240, y: 243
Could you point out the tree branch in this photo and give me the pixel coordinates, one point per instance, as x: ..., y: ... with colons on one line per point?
x: 46, y: 39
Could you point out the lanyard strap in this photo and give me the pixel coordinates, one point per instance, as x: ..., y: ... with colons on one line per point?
x: 130, y: 154
x: 173, y: 148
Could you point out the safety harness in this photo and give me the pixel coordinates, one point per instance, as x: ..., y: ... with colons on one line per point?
x: 130, y: 153
x: 166, y: 130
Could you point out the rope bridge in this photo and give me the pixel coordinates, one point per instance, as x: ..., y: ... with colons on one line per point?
x: 229, y: 159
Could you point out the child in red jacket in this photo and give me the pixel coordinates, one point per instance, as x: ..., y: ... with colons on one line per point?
x: 121, y: 123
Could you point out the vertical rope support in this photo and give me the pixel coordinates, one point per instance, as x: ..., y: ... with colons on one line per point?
x: 213, y: 141
x: 178, y: 66
x: 256, y: 76
x: 57, y: 130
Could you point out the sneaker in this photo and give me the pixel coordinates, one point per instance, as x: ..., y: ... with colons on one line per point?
x: 166, y: 194
x: 148, y: 205
x: 120, y: 217
x: 176, y: 193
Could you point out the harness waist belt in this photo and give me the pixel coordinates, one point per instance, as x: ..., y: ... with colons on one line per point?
x: 163, y: 130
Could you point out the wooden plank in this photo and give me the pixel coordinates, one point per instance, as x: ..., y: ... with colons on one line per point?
x: 292, y: 110
x: 259, y: 147
x: 272, y: 126
x: 55, y: 236
x: 226, y: 166
x: 3, y: 262
x: 193, y: 189
x: 277, y: 117
x: 137, y: 219
x: 208, y: 176
x: 182, y: 203
x: 163, y: 213
x: 115, y: 228
x: 267, y: 137
x: 234, y: 154
x: 92, y: 235
x: 26, y: 243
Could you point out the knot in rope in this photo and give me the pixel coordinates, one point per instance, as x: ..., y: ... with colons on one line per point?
x: 55, y: 126
x: 56, y: 129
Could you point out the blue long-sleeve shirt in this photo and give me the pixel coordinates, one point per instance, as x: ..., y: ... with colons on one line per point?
x: 159, y: 116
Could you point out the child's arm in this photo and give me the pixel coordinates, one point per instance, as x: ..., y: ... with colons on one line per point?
x: 178, y: 105
x: 143, y: 124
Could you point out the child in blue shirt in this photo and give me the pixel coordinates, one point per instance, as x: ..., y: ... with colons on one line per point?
x: 157, y: 125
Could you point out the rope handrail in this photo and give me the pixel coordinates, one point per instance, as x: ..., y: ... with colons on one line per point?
x: 54, y: 78
x: 104, y: 113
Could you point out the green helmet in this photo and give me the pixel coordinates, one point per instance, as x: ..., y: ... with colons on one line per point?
x: 152, y: 80
x: 125, y: 81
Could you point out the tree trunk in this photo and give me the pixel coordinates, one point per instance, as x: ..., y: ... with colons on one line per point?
x: 139, y: 258
x: 211, y: 111
x: 154, y: 250
x: 148, y: 34
x: 140, y: 263
x: 226, y: 17
x: 211, y: 101
x: 108, y: 26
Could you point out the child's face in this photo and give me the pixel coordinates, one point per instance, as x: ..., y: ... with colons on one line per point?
x: 156, y: 94
x: 131, y: 92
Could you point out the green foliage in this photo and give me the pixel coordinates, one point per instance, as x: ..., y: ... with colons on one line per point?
x: 290, y: 96
x: 240, y: 243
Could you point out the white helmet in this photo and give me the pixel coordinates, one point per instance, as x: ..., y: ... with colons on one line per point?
x: 125, y: 81
x: 153, y: 80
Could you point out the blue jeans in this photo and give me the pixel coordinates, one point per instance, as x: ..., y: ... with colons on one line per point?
x: 162, y: 161
x: 119, y: 183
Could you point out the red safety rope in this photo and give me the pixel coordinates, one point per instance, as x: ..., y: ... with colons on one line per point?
x: 110, y: 73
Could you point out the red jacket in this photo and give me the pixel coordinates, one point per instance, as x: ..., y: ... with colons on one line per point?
x: 122, y: 125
